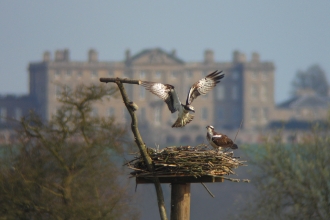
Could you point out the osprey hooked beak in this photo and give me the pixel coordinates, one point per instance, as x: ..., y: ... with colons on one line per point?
x: 209, y: 126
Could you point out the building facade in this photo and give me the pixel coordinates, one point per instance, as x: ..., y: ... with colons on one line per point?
x: 246, y: 94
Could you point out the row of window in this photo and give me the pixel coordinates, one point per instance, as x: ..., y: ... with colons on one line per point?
x: 158, y: 74
x: 141, y: 74
x: 257, y: 92
x: 260, y: 75
x: 59, y: 89
x: 4, y: 114
x: 258, y: 114
x: 111, y: 112
x: 221, y: 92
x: 234, y: 113
x: 186, y: 139
x: 79, y: 74
x: 173, y: 74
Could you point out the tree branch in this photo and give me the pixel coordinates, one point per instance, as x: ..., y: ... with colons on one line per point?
x: 115, y: 80
x: 138, y: 139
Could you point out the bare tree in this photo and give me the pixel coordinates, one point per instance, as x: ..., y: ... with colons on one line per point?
x: 313, y: 79
x: 65, y: 169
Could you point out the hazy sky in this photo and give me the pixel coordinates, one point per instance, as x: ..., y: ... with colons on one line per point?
x: 292, y: 34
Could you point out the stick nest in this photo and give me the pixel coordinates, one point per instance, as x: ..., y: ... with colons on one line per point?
x: 185, y: 161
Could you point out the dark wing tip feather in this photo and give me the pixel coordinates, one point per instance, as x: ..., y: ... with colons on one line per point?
x: 216, y: 73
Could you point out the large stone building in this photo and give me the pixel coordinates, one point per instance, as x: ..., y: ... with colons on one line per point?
x: 246, y: 93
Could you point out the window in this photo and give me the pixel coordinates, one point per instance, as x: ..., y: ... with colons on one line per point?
x: 126, y: 115
x: 189, y: 73
x: 236, y: 112
x: 80, y: 73
x: 57, y: 74
x: 157, y: 116
x: 68, y: 73
x: 110, y: 73
x: 18, y: 113
x: 158, y: 74
x: 111, y: 112
x: 142, y: 115
x: 235, y: 75
x: 220, y: 114
x: 254, y: 114
x: 264, y: 75
x: 142, y: 92
x: 67, y: 90
x: 254, y: 91
x: 234, y: 92
x: 220, y: 90
x: 264, y: 114
x: 142, y: 75
x: 3, y: 115
x: 204, y: 113
x: 94, y: 73
x: 95, y: 112
x: 255, y: 74
x: 58, y: 91
x: 263, y: 93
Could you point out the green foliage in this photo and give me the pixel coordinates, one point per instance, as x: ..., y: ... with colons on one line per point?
x: 64, y: 169
x: 292, y: 180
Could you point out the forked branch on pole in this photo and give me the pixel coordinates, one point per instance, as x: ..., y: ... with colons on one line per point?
x: 138, y: 139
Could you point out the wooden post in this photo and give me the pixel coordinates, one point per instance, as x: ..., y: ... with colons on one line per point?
x: 180, y: 201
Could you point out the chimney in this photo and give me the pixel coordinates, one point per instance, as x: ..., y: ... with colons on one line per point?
x: 92, y: 55
x: 255, y: 57
x: 239, y: 57
x: 46, y: 56
x: 62, y: 55
x: 208, y: 56
x: 66, y: 55
x: 127, y: 54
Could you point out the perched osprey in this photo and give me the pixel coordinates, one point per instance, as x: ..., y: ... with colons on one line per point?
x: 218, y: 140
x: 169, y: 95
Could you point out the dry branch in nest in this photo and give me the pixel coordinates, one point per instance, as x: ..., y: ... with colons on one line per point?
x: 186, y: 161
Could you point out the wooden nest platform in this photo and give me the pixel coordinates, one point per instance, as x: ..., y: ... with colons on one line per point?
x: 192, y: 164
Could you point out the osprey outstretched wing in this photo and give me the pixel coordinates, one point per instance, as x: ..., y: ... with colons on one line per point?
x: 167, y: 93
x: 204, y: 85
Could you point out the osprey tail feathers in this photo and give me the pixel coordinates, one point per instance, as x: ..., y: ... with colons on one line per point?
x: 181, y: 122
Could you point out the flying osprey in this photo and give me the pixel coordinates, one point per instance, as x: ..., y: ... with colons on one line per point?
x: 218, y: 140
x: 169, y: 95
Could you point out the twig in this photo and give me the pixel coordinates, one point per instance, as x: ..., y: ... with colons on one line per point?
x: 238, y: 130
x: 207, y: 189
x: 186, y: 161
